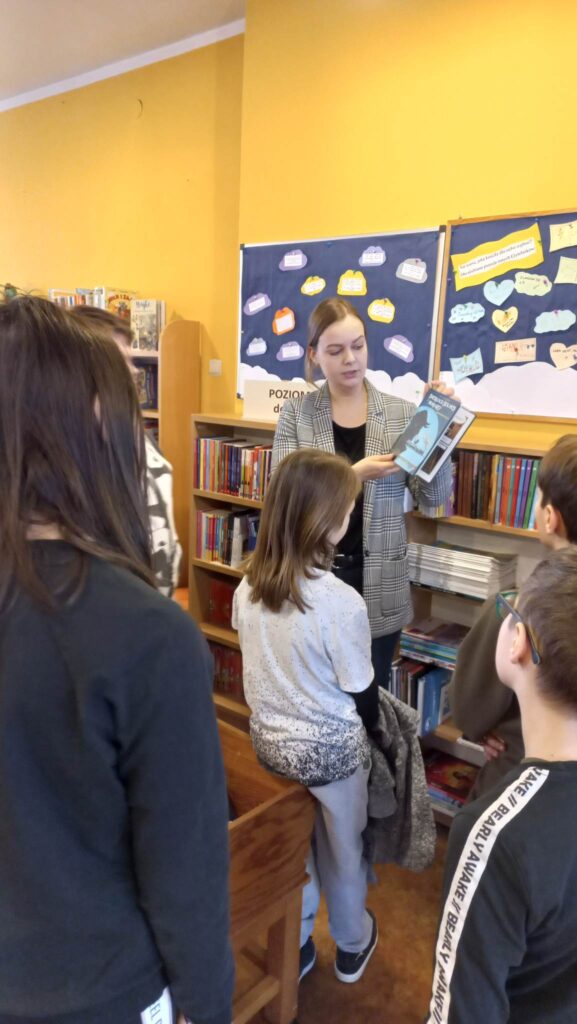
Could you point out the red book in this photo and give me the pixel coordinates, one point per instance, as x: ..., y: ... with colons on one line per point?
x: 220, y: 595
x: 449, y: 776
x: 514, y: 487
x: 505, y: 489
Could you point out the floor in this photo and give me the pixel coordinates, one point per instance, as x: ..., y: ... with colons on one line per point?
x: 395, y: 988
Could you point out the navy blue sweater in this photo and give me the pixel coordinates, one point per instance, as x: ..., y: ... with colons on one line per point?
x: 113, y: 812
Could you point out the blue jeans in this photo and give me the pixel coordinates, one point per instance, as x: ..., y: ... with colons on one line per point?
x: 382, y: 654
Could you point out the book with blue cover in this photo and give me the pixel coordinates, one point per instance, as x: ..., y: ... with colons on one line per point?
x: 427, y: 441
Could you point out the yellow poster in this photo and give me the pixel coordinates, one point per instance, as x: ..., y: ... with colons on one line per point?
x: 520, y: 249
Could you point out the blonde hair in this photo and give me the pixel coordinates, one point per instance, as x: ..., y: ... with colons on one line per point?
x: 326, y: 313
x: 308, y: 498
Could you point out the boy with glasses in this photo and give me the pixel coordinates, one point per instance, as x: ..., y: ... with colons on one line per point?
x: 484, y: 709
x: 507, y: 941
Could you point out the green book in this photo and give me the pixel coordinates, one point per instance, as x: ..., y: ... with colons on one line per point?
x: 531, y: 493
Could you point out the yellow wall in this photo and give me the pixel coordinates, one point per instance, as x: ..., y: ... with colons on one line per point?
x: 134, y: 182
x: 368, y: 115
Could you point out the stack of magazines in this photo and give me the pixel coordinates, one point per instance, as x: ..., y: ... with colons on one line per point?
x: 461, y: 570
x: 433, y: 641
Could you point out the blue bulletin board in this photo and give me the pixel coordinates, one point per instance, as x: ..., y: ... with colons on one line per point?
x: 507, y: 335
x: 390, y: 278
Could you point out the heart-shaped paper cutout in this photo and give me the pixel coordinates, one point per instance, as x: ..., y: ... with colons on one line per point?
x: 498, y: 293
x: 563, y: 356
x: 505, y: 319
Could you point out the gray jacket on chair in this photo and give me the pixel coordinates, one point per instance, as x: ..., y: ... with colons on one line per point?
x: 306, y: 422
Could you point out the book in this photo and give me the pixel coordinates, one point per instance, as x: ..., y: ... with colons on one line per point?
x: 449, y: 778
x: 147, y: 318
x: 431, y: 685
x: 531, y: 494
x: 427, y: 441
x: 62, y: 297
x: 115, y: 300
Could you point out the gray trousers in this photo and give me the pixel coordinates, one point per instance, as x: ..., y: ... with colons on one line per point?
x: 336, y: 864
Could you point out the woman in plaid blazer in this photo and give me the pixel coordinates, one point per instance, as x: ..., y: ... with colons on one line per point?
x: 350, y: 416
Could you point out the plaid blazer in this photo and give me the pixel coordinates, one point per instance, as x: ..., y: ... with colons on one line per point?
x: 306, y: 422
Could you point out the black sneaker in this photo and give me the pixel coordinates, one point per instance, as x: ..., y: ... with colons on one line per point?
x: 308, y: 956
x: 349, y: 967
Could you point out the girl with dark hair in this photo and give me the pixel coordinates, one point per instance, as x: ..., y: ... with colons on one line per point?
x: 113, y: 838
x: 307, y: 674
x: 349, y: 416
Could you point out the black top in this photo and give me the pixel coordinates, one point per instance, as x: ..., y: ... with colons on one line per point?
x: 113, y: 810
x: 507, y: 944
x: 350, y: 441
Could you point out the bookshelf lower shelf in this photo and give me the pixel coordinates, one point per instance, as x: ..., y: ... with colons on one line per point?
x: 479, y: 524
x: 233, y: 499
x: 220, y: 635
x: 226, y: 570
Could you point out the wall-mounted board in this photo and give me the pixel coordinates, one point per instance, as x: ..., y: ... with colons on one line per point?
x: 391, y: 279
x: 507, y: 334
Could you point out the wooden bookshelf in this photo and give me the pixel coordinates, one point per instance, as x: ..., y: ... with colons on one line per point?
x: 200, y: 569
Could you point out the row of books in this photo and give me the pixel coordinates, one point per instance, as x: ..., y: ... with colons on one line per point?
x: 498, y: 488
x: 424, y: 689
x: 227, y: 671
x: 147, y: 317
x: 146, y: 380
x: 433, y: 641
x: 232, y: 467
x: 226, y: 536
x: 449, y: 779
x: 461, y: 570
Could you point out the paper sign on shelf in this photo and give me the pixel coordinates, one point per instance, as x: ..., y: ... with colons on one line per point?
x: 505, y: 319
x: 466, y: 366
x: 563, y: 356
x: 264, y: 399
x: 524, y: 350
x: 563, y: 235
x: 520, y: 249
x: 567, y: 271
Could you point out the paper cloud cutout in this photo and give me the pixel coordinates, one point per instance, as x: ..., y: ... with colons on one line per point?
x: 293, y: 260
x: 256, y: 303
x: 413, y: 270
x: 381, y: 310
x: 313, y: 285
x: 283, y: 321
x: 499, y: 292
x: 467, y: 313
x: 557, y: 320
x: 372, y: 256
x: 532, y: 284
x: 399, y: 346
x: 290, y: 350
x: 256, y: 347
x: 352, y: 282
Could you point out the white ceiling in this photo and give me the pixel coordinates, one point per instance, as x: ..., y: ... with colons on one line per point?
x: 44, y: 42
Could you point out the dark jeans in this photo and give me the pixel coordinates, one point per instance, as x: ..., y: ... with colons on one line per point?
x: 382, y: 654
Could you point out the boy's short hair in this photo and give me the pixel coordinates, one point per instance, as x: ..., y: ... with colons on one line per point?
x: 557, y: 481
x: 547, y: 603
x: 95, y: 317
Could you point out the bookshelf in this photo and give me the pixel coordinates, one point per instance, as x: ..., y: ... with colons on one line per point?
x: 459, y: 530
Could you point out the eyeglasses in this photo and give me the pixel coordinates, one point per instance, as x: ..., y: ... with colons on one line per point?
x: 505, y: 608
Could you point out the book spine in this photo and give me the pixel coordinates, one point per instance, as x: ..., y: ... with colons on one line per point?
x: 505, y: 489
x: 531, y: 494
x: 519, y: 502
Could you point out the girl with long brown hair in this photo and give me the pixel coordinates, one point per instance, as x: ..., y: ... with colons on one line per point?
x: 113, y: 838
x: 308, y: 680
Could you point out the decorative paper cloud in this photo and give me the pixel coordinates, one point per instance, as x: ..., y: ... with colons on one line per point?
x: 382, y: 310
x: 293, y: 260
x: 557, y: 320
x: 505, y: 319
x: 466, y: 313
x: 290, y: 350
x: 499, y: 292
x: 372, y: 256
x: 255, y: 303
x: 283, y: 321
x: 532, y: 284
x: 400, y: 347
x: 414, y: 270
x: 352, y: 282
x: 467, y: 365
x: 256, y: 347
x: 313, y: 285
